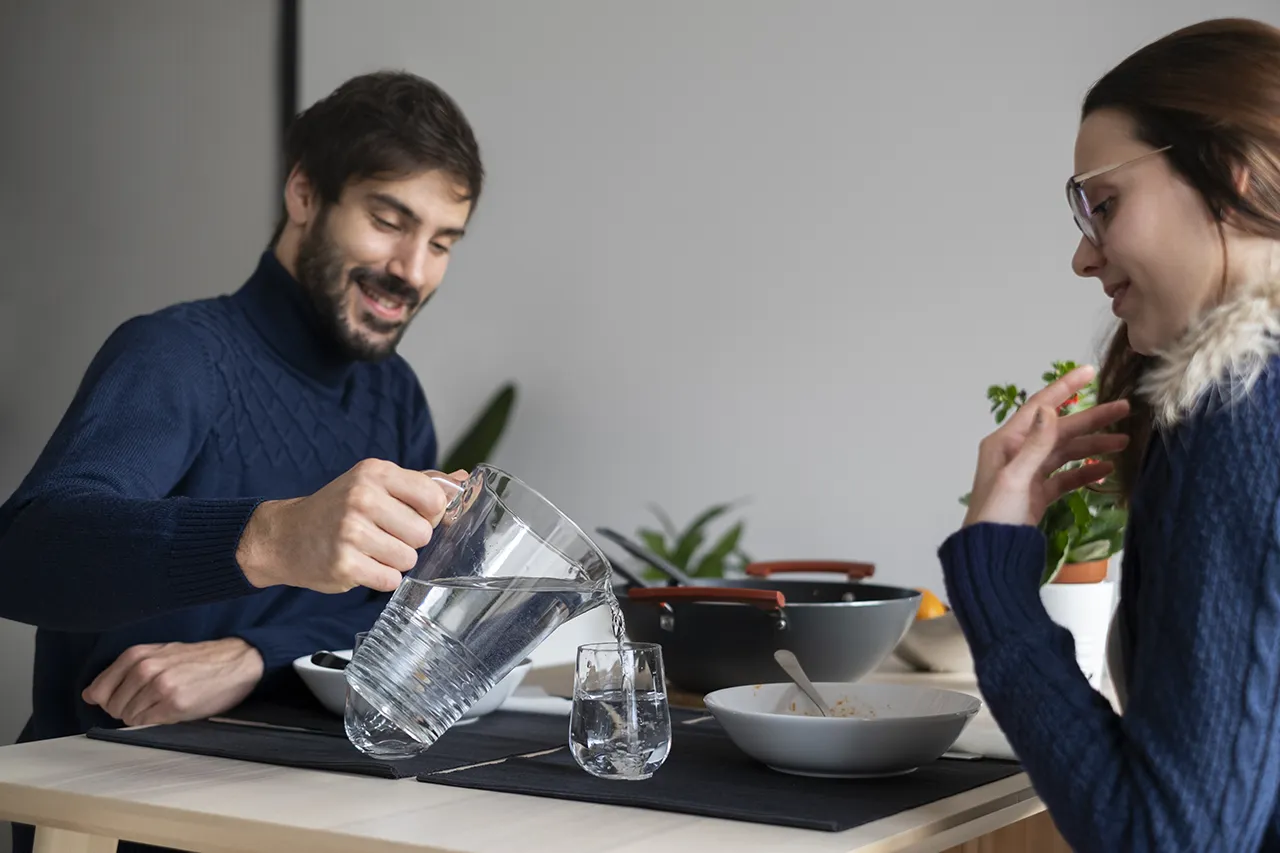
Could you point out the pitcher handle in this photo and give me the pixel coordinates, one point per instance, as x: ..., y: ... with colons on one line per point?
x: 459, y: 489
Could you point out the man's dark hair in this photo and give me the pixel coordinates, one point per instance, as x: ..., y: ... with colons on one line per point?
x: 382, y: 124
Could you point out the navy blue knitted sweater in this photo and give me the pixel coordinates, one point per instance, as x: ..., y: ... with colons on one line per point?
x: 1194, y: 762
x: 125, y: 531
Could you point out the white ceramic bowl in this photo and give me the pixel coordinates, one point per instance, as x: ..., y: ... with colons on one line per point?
x: 874, y: 730
x: 330, y: 686
x: 936, y: 645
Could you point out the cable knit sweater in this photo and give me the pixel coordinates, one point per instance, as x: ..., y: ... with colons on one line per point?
x: 126, y: 529
x: 1194, y: 762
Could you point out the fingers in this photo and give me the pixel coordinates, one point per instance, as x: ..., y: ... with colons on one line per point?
x: 102, y: 689
x: 1056, y: 393
x: 156, y: 714
x: 148, y: 696
x: 416, y: 489
x: 1084, y: 447
x: 1094, y: 418
x: 377, y: 576
x: 367, y: 556
x: 123, y: 689
x: 1035, y: 451
x: 404, y: 524
x: 1076, y: 478
x: 135, y: 682
x: 387, y: 549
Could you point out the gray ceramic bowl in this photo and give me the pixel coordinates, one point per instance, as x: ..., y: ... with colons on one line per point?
x: 936, y: 645
x: 873, y: 730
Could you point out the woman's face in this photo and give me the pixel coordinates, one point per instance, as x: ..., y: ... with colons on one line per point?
x: 1160, y: 255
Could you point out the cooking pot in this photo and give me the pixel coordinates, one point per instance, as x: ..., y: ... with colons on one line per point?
x: 722, y: 632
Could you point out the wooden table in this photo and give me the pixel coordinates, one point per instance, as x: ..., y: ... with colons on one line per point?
x: 84, y: 794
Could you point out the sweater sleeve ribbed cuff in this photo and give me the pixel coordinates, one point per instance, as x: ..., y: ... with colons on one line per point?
x: 992, y: 574
x: 202, y: 561
x: 278, y: 644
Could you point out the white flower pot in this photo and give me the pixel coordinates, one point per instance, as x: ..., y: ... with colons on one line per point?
x: 1085, y: 610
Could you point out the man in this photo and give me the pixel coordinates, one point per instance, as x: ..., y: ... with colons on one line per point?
x: 240, y: 480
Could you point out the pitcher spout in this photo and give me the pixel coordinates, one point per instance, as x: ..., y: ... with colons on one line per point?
x: 597, y: 594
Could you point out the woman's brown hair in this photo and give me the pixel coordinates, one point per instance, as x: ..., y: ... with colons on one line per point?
x: 1212, y: 92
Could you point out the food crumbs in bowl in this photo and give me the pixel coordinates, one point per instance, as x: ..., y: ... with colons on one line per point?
x: 842, y: 708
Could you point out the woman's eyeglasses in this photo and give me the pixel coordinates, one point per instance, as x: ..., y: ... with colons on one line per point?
x: 1081, y: 210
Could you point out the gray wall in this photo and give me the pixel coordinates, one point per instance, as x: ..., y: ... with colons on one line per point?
x: 138, y: 166
x: 758, y: 248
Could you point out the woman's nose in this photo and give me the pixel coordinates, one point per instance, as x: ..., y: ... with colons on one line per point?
x: 1088, y: 260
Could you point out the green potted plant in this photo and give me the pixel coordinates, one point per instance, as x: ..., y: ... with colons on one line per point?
x: 480, y: 438
x: 724, y: 557
x: 1085, y: 528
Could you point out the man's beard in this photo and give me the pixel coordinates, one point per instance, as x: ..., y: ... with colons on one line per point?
x: 321, y: 275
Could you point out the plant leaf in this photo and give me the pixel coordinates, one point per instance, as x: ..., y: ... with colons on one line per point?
x: 481, y: 437
x: 1058, y: 516
x: 712, y: 564
x: 1055, y: 555
x: 684, y: 550
x: 707, y: 516
x: 1090, y: 551
x: 693, y: 536
x: 1111, y: 518
x: 1086, y: 524
x: 664, y: 520
x: 654, y: 542
x: 1079, y: 510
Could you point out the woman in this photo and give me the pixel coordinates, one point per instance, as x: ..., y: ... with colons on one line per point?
x: 1177, y: 194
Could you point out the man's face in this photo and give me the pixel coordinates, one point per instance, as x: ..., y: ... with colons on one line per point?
x: 373, y: 259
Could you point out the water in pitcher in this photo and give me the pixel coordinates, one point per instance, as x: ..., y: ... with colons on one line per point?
x: 446, y: 642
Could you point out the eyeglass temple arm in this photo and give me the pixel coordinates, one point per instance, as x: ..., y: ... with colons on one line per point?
x: 1080, y: 179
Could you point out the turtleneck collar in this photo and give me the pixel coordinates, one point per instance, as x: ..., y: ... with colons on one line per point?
x: 279, y: 309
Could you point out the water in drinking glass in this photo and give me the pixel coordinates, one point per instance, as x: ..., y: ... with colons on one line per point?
x: 614, y: 738
x: 620, y: 725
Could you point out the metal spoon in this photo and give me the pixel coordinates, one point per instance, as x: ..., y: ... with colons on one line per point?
x: 792, y: 667
x: 329, y: 660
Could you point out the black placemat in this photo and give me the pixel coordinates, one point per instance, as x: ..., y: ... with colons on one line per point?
x: 308, y: 750
x: 707, y: 775
x: 525, y: 753
x: 296, y: 713
x: 322, y: 744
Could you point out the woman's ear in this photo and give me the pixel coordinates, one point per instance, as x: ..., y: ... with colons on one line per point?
x: 1241, y: 176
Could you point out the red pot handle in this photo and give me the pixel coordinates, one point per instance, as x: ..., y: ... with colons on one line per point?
x: 765, y: 599
x: 854, y: 570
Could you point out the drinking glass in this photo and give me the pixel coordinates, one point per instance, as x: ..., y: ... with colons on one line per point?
x: 369, y: 731
x: 620, y: 725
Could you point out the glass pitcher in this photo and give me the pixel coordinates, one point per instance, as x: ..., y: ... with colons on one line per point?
x: 504, y: 568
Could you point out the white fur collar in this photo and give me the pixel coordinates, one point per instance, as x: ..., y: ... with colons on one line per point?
x: 1225, y: 350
